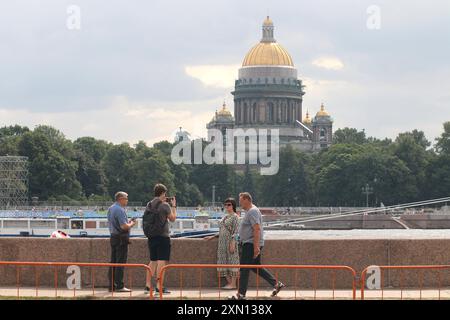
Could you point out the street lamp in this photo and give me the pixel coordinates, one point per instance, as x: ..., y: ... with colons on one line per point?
x: 375, y: 181
x: 367, y: 190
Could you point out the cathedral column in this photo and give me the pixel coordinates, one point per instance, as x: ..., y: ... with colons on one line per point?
x: 257, y: 113
x: 290, y: 111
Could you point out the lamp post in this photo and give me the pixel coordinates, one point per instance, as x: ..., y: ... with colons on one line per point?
x: 367, y: 190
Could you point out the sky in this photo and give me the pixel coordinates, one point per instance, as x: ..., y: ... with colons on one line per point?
x: 126, y: 71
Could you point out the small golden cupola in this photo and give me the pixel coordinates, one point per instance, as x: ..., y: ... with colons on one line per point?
x: 224, y: 111
x: 322, y: 112
x: 307, y: 119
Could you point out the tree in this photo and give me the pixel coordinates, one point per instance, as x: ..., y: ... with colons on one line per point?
x: 93, y: 148
x: 13, y: 131
x: 118, y: 166
x: 51, y: 173
x: 418, y: 137
x: 410, y: 147
x: 343, y: 170
x: 349, y: 136
x: 165, y: 147
x: 290, y: 186
x: 89, y: 153
x: 10, y: 138
x: 438, y: 174
x: 57, y: 139
x: 221, y: 176
x: 443, y: 142
x: 91, y: 175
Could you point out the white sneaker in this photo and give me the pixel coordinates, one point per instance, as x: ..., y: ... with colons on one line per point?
x: 277, y: 288
x: 237, y: 296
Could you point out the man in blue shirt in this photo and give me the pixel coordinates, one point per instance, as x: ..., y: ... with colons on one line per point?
x: 119, y: 228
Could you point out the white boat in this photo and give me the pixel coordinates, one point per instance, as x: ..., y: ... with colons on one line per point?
x: 97, y: 227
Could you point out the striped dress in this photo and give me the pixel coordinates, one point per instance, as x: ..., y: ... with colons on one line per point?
x: 228, y: 227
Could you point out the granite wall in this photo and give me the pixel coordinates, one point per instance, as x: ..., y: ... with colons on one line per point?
x: 357, y: 254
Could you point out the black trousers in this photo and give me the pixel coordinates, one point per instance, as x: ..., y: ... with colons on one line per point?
x: 247, y: 258
x: 119, y: 254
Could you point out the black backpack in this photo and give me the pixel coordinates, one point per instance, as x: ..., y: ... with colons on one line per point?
x: 151, y: 221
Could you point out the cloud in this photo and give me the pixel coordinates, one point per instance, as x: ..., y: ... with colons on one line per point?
x: 218, y: 76
x: 330, y: 63
x: 123, y: 120
x: 126, y: 77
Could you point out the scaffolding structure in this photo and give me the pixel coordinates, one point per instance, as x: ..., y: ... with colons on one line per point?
x: 13, y: 182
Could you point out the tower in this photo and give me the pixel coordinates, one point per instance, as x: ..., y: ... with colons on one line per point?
x: 322, y: 127
x: 13, y: 182
x: 222, y: 121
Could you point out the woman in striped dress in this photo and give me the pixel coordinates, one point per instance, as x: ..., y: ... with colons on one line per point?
x: 227, y: 251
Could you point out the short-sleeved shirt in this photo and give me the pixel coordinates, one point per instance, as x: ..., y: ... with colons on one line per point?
x: 163, y: 210
x: 252, y: 216
x: 117, y: 216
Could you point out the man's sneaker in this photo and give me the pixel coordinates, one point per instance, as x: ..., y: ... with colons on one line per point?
x: 122, y: 290
x: 237, y: 296
x: 277, y: 288
x: 146, y: 290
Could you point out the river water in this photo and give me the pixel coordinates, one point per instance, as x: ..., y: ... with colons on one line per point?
x: 358, y: 234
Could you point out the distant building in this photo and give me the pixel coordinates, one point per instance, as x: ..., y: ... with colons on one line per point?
x: 182, y: 136
x: 222, y: 121
x: 269, y: 95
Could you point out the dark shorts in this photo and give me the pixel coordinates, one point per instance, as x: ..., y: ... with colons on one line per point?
x: 159, y: 248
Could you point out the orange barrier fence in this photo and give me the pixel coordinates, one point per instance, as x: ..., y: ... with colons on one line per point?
x: 396, y: 279
x: 55, y: 265
x: 404, y: 281
x: 314, y: 268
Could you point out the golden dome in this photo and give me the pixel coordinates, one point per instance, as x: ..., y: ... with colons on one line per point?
x: 224, y: 111
x: 307, y: 119
x: 268, y: 53
x: 322, y: 112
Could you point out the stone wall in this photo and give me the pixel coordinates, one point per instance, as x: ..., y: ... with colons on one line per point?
x: 357, y: 254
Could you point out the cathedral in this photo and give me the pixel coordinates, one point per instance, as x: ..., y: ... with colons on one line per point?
x: 269, y: 95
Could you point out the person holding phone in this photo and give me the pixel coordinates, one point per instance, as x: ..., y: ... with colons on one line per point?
x: 161, y: 210
x: 119, y: 228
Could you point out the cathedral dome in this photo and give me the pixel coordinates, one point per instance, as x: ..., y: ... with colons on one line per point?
x: 268, y: 51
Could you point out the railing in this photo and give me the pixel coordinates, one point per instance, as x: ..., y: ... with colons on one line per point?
x: 258, y: 267
x: 419, y: 274
x: 55, y: 265
x: 397, y: 283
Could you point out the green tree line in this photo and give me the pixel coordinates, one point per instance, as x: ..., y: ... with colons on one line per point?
x: 409, y: 168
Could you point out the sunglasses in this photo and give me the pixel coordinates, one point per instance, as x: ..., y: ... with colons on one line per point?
x: 228, y: 205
